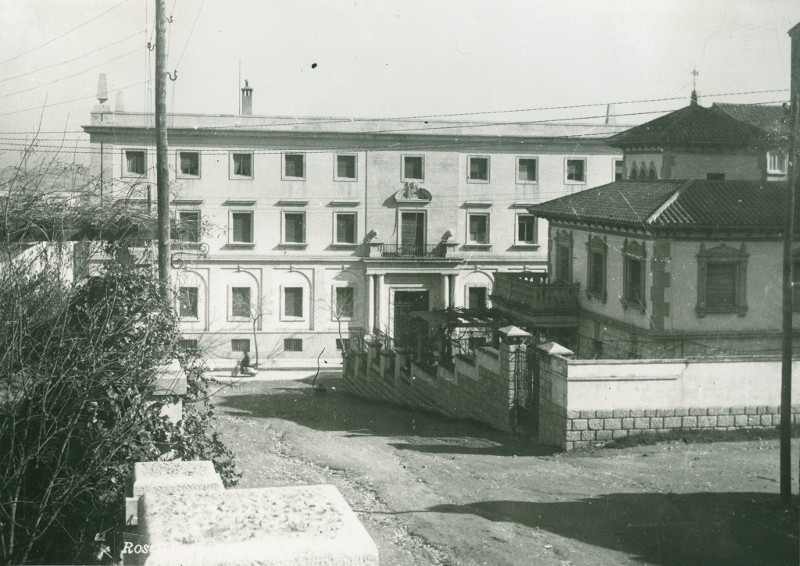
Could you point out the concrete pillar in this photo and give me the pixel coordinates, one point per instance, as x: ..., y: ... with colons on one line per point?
x: 370, y: 304
x: 381, y: 299
x: 512, y: 349
x: 446, y: 291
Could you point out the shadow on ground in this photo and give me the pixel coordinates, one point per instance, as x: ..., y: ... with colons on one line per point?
x: 336, y: 410
x: 692, y: 528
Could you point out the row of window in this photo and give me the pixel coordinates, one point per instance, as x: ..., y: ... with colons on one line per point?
x: 346, y: 167
x: 721, y: 274
x: 243, y: 307
x: 345, y: 227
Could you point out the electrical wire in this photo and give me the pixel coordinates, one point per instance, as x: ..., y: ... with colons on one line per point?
x: 78, y: 73
x: 71, y: 60
x: 64, y: 34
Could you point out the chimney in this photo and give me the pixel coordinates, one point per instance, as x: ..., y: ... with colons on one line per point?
x: 101, y: 109
x: 102, y: 88
x: 120, y: 105
x: 247, y: 100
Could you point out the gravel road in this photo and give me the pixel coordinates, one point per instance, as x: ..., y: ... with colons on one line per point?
x: 434, y: 491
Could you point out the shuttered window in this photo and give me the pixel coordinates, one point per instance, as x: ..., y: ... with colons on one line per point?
x: 293, y: 302
x: 240, y: 301
x: 721, y: 284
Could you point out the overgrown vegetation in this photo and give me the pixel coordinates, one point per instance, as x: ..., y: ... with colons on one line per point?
x: 78, y: 360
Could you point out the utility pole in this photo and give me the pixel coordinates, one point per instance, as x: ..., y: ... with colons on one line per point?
x: 162, y: 169
x: 786, y: 362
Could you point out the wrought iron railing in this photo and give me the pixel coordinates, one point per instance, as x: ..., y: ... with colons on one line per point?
x: 413, y: 250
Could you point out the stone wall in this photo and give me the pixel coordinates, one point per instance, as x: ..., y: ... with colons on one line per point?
x: 584, y: 401
x: 583, y: 427
x: 481, y: 389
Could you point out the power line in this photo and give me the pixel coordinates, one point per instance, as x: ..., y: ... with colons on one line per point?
x: 73, y: 74
x: 63, y: 101
x: 71, y: 60
x: 196, y: 17
x: 69, y: 31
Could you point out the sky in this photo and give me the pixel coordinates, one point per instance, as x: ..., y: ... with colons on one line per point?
x: 488, y: 60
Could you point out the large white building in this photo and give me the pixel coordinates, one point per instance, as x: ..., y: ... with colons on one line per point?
x: 294, y: 230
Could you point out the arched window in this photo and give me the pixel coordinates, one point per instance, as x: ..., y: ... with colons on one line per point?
x: 634, y: 172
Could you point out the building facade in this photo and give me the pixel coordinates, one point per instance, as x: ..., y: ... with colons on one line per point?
x: 291, y: 231
x: 666, y: 269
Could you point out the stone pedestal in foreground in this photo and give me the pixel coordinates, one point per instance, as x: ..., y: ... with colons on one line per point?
x: 167, y: 477
x: 297, y: 525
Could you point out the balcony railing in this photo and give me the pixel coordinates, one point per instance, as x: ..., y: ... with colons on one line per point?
x: 413, y: 250
x: 531, y: 292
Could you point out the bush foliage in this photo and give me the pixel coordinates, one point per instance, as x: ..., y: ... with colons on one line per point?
x: 77, y: 377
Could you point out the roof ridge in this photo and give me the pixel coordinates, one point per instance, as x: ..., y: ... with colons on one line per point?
x: 667, y: 203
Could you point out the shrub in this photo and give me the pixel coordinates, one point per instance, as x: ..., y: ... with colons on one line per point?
x: 77, y: 377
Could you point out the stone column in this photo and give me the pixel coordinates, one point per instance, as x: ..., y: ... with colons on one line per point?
x: 370, y: 304
x: 446, y: 291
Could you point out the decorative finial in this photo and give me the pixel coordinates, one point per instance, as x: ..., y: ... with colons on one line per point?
x: 694, y: 86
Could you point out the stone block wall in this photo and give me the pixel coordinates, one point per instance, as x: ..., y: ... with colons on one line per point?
x: 584, y: 427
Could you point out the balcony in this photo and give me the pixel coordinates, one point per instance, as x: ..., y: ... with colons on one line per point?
x: 531, y: 297
x: 413, y: 251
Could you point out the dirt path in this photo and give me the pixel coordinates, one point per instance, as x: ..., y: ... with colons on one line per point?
x: 435, y: 491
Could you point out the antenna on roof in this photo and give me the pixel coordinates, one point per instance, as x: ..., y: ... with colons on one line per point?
x: 694, y: 86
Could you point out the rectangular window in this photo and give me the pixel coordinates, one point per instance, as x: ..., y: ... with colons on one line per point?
x: 189, y: 163
x: 345, y: 228
x: 563, y: 264
x: 345, y: 168
x: 478, y: 169
x: 527, y: 170
x: 776, y: 163
x: 715, y: 176
x: 722, y: 281
x: 633, y: 291
x: 189, y: 225
x: 721, y: 285
x: 526, y: 229
x: 293, y: 302
x: 187, y: 344
x: 619, y: 169
x: 240, y: 302
x: 597, y: 273
x: 344, y: 298
x: 135, y: 162
x: 294, y: 227
x: 342, y: 344
x: 240, y: 345
x: 242, y: 227
x: 477, y: 298
x: 478, y: 229
x: 413, y: 168
x: 412, y: 234
x: 242, y: 165
x: 187, y: 302
x: 576, y: 170
x: 293, y: 344
x: 294, y: 166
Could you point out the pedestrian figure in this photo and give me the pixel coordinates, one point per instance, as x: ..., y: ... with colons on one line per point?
x: 245, y: 364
